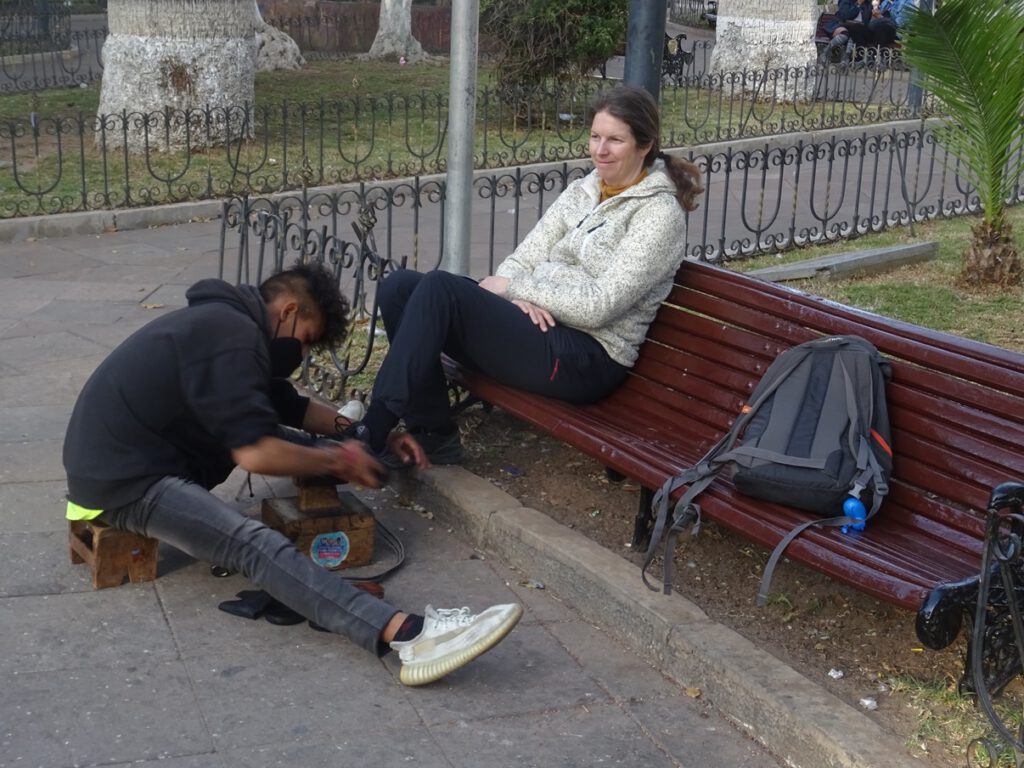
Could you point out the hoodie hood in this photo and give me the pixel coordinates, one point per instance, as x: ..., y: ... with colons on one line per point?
x: 244, y: 298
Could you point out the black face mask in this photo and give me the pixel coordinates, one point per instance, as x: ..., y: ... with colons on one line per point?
x: 285, y: 356
x: 285, y: 353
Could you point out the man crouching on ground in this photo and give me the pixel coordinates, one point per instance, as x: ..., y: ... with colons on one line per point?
x: 174, y: 408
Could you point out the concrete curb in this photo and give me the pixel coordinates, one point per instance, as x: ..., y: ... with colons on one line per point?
x: 97, y: 222
x: 799, y: 721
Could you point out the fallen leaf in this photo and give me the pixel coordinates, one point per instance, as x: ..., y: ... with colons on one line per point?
x: 693, y: 693
x: 152, y: 306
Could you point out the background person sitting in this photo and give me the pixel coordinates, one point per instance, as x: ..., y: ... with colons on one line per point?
x: 850, y: 28
x: 887, y: 19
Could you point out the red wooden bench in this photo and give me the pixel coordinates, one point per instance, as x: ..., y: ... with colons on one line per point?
x: 956, y: 407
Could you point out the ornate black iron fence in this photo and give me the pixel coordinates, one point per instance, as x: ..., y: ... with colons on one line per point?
x: 74, y: 59
x: 273, y: 234
x: 692, y: 13
x: 76, y: 162
x: 33, y: 25
x: 760, y: 198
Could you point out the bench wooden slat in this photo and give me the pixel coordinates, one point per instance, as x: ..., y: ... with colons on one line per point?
x: 956, y: 406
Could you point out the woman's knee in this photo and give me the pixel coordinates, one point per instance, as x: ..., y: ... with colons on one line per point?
x: 395, y: 289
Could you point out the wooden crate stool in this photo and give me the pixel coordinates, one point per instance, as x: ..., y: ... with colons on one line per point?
x: 336, y: 530
x: 111, y: 554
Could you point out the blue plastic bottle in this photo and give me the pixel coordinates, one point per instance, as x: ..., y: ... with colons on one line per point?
x: 854, y: 507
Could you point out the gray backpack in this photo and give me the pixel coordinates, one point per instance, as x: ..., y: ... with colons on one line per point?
x: 814, y: 436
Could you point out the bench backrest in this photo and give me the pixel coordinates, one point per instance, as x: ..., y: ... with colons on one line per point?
x: 956, y: 406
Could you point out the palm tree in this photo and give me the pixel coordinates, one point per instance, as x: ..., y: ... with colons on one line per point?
x: 971, y: 56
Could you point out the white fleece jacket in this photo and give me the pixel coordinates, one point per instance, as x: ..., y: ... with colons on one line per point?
x: 603, y: 268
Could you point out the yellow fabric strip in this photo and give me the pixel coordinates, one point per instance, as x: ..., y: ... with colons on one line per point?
x: 76, y: 512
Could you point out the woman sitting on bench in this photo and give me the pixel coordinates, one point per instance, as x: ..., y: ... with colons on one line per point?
x: 565, y: 314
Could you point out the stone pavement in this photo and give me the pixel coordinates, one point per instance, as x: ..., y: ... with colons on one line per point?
x: 600, y: 671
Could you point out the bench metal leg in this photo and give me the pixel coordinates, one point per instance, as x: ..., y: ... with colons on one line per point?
x: 993, y: 605
x: 613, y: 476
x: 644, y: 520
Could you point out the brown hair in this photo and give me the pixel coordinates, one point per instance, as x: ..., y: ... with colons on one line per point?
x: 638, y: 109
x: 316, y: 291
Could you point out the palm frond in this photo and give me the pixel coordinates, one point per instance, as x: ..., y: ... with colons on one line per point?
x: 970, y: 54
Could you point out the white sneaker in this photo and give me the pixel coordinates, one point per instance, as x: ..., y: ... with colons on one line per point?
x: 451, y: 638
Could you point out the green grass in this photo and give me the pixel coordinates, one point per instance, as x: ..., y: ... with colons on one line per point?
x: 926, y: 294
x: 946, y: 717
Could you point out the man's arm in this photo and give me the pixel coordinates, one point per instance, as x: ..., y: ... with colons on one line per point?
x: 322, y: 419
x: 347, y: 461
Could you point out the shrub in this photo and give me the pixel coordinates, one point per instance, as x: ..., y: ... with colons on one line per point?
x: 561, y: 40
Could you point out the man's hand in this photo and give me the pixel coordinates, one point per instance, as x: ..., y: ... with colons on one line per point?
x: 540, y: 317
x: 404, y: 446
x: 351, y: 462
x: 494, y: 284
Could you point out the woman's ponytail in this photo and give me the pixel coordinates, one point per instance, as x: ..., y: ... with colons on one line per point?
x: 686, y: 176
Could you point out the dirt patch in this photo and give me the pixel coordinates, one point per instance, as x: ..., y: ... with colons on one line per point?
x: 812, y: 623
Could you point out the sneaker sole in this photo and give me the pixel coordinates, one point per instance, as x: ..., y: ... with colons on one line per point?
x: 429, y: 671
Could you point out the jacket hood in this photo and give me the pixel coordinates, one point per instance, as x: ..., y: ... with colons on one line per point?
x: 244, y: 298
x: 654, y: 182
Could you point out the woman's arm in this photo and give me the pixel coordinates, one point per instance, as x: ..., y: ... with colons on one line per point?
x: 551, y: 228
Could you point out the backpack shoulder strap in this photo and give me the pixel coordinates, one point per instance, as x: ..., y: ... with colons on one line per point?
x: 686, y: 512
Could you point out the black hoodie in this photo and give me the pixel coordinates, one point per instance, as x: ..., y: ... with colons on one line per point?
x: 176, y: 397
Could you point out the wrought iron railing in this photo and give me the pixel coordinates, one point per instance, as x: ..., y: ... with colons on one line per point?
x: 274, y: 234
x: 29, y: 26
x: 760, y: 198
x: 72, y: 60
x: 692, y: 13
x: 76, y: 162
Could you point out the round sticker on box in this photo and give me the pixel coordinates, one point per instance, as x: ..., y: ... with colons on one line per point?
x: 329, y: 549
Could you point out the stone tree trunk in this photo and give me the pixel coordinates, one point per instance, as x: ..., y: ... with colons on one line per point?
x: 177, y: 73
x: 274, y: 48
x: 394, y: 33
x: 765, y: 36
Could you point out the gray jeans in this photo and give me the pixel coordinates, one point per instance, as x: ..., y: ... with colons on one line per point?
x: 192, y: 519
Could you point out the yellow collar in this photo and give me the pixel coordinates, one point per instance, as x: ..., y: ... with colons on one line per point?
x: 607, y: 191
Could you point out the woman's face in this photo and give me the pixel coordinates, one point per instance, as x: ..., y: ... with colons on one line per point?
x: 614, y: 150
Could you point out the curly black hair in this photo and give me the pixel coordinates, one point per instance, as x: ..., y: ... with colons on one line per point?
x: 316, y: 290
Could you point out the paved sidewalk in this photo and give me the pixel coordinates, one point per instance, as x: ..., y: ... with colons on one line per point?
x: 600, y: 671
x: 154, y: 672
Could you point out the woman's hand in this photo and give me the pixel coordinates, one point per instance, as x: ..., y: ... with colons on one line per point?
x: 494, y: 284
x: 540, y: 317
x: 407, y: 449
